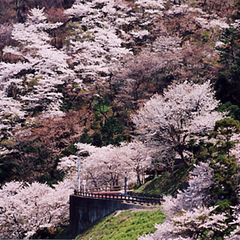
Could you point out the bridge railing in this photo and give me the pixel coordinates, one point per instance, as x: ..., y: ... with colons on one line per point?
x: 118, y: 196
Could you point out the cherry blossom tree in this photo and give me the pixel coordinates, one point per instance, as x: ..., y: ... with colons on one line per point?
x: 28, y: 82
x: 106, y: 166
x: 106, y: 34
x: 195, y: 195
x: 172, y: 118
x: 25, y: 208
x: 97, y: 51
x: 30, y: 73
x: 190, y: 225
x: 187, y: 214
x: 235, y: 151
x: 139, y: 159
x: 193, y: 207
x: 100, y: 167
x: 235, y: 222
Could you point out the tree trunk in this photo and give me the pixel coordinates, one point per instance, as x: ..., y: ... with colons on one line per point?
x: 183, y: 159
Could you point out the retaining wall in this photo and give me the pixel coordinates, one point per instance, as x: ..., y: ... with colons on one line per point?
x: 85, y: 211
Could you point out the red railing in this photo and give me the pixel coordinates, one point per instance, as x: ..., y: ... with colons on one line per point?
x: 121, y: 197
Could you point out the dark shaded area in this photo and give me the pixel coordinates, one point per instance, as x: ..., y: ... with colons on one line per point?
x: 227, y: 84
x: 17, y: 10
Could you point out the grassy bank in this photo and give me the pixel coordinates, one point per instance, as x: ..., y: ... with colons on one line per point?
x: 124, y: 225
x: 167, y: 183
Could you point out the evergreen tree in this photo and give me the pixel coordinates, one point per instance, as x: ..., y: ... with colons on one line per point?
x: 224, y: 164
x: 228, y: 82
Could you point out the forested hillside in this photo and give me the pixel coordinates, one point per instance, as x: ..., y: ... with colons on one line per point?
x: 121, y: 86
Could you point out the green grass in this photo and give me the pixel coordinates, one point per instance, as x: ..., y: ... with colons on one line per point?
x: 167, y: 183
x: 126, y: 225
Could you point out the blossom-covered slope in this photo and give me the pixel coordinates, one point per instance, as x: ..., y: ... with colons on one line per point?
x: 128, y: 42
x: 80, y: 74
x: 102, y: 36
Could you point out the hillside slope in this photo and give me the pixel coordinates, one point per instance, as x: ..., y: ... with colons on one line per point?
x: 75, y: 72
x: 102, y: 60
x: 167, y: 183
x: 124, y: 225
